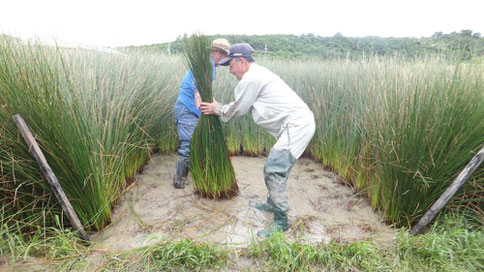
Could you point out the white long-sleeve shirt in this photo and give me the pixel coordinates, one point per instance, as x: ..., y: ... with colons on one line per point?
x: 272, y: 103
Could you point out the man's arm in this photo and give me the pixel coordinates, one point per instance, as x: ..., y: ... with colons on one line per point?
x: 246, y: 93
x: 198, y: 99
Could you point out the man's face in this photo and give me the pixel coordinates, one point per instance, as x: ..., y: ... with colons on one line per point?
x: 237, y: 68
x: 217, y: 56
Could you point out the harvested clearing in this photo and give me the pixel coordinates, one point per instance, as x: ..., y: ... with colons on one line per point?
x: 323, y: 208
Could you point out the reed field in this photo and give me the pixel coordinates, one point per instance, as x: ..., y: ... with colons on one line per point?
x: 396, y: 130
x: 96, y: 117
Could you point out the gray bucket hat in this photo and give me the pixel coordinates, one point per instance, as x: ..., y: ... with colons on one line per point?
x: 240, y: 50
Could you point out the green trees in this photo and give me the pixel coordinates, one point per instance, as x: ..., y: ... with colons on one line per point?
x: 463, y: 45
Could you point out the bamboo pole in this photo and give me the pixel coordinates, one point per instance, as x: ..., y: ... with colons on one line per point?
x: 449, y: 193
x: 34, y: 149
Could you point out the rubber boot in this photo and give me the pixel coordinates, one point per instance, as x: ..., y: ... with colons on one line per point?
x: 268, y: 206
x: 279, y: 224
x: 181, y: 172
x: 276, y: 172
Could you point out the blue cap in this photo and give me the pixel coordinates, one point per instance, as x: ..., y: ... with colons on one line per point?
x: 239, y: 50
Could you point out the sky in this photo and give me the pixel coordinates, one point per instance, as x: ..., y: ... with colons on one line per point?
x: 110, y: 23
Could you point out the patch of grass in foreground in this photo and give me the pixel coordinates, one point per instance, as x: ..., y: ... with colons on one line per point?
x: 452, y: 244
x: 182, y: 255
x: 50, y: 243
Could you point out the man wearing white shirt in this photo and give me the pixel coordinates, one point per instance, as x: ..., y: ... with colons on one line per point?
x: 278, y: 109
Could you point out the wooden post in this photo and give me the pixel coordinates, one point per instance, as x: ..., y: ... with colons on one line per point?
x: 49, y: 175
x: 449, y: 193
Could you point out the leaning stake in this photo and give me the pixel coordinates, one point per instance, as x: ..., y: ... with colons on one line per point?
x: 447, y: 195
x: 49, y: 175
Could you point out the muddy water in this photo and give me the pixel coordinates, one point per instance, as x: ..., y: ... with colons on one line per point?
x: 322, y: 209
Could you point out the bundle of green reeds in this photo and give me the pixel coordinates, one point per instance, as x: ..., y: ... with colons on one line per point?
x: 210, y: 164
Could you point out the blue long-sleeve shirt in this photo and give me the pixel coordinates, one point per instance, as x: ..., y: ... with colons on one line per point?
x: 188, y: 89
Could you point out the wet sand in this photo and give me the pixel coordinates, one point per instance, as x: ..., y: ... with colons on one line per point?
x: 322, y: 209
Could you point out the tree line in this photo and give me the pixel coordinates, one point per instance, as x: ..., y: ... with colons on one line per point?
x: 464, y: 45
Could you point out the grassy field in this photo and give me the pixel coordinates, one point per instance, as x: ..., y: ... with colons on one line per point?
x: 398, y: 131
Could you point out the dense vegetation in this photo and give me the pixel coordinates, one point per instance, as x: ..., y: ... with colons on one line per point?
x: 398, y: 130
x: 94, y: 116
x: 463, y: 45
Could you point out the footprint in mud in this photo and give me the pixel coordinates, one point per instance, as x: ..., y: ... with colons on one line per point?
x: 320, y: 209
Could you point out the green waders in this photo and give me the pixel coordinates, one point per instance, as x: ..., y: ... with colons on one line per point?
x: 276, y: 172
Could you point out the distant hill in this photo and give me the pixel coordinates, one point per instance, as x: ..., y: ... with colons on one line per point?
x: 463, y: 45
x: 6, y: 37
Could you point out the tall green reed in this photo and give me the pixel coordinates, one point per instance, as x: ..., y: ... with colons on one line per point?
x: 399, y: 130
x: 423, y: 133
x: 96, y: 116
x: 210, y: 164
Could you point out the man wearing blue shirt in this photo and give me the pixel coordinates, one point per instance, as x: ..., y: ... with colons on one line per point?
x: 187, y: 112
